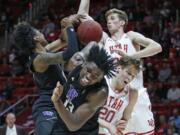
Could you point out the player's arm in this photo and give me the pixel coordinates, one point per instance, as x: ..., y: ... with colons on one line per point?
x: 56, y: 45
x: 43, y: 60
x: 63, y: 39
x: 121, y: 124
x: 84, y: 7
x: 84, y: 112
x: 151, y: 47
x: 133, y: 95
x: 110, y: 127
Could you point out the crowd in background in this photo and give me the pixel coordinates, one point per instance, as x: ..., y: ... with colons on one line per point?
x: 156, y: 19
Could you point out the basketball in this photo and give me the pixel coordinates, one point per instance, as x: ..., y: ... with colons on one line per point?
x: 89, y: 31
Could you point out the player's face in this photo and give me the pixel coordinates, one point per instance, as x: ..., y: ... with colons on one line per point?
x: 125, y: 75
x: 40, y: 38
x: 90, y: 74
x: 76, y: 60
x: 114, y: 23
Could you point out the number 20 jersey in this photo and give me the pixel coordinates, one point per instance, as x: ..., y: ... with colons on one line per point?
x: 113, y: 109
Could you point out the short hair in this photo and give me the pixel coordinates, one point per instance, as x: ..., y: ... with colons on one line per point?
x: 122, y: 15
x: 24, y: 37
x: 127, y: 61
x: 100, y: 57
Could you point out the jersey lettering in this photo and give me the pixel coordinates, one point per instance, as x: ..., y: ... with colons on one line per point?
x: 124, y: 47
x: 114, y: 103
x: 68, y: 105
x: 106, y: 114
x: 151, y: 122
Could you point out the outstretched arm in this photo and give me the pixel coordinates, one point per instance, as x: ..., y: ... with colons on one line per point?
x: 56, y: 45
x: 84, y: 7
x: 151, y: 47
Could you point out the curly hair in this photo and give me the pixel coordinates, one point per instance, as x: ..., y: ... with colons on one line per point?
x: 23, y: 37
x: 100, y: 57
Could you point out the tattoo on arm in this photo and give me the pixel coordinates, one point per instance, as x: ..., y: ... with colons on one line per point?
x: 50, y: 58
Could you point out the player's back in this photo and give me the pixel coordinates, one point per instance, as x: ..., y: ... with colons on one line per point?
x: 46, y: 81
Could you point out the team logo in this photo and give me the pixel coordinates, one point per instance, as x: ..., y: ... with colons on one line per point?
x: 48, y: 115
x: 72, y: 93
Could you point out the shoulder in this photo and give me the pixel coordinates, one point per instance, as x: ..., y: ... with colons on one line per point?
x: 97, y: 99
x: 98, y: 95
x: 132, y: 35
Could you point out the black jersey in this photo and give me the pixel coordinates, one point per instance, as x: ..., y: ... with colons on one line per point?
x: 46, y: 82
x: 75, y: 95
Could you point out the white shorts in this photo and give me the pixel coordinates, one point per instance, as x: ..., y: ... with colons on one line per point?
x: 142, y: 120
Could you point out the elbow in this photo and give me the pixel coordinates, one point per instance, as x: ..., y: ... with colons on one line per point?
x: 159, y: 48
x: 156, y: 48
x: 73, y: 128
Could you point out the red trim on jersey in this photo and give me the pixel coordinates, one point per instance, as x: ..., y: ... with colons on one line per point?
x: 145, y: 133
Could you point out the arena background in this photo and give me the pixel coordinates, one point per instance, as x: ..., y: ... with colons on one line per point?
x: 156, y: 19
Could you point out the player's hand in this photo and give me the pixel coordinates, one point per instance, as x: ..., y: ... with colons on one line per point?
x: 120, y: 52
x: 121, y: 125
x: 71, y: 20
x: 58, y: 90
x: 86, y: 18
x: 76, y: 18
x: 113, y: 130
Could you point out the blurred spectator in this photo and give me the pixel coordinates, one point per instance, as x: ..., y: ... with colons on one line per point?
x: 4, y: 105
x: 49, y: 25
x: 163, y: 125
x: 161, y: 92
x: 11, y: 128
x: 8, y: 89
x: 151, y: 89
x: 175, y: 119
x: 17, y: 68
x: 173, y: 93
x: 175, y: 41
x: 175, y: 68
x: 12, y: 55
x: 148, y: 19
x: 165, y: 72
x: 150, y: 72
x: 3, y: 56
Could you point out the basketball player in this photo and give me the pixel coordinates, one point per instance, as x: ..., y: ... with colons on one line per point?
x: 130, y: 43
x: 46, y: 70
x: 83, y: 94
x: 111, y: 115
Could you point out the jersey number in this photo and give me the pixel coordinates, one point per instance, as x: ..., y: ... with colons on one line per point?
x: 68, y: 105
x: 106, y: 114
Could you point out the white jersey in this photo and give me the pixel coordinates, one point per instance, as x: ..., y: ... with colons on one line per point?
x: 124, y: 44
x: 114, y: 107
x: 137, y: 123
